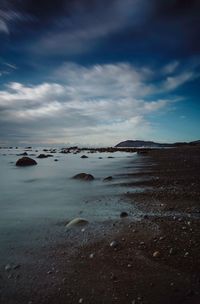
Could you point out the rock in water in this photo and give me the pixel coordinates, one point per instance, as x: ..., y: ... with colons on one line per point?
x: 77, y: 222
x: 84, y: 156
x: 123, y: 214
x: 84, y: 177
x: 107, y: 179
x: 44, y: 156
x: 26, y: 161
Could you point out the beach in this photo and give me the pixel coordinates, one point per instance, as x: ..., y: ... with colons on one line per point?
x: 149, y: 254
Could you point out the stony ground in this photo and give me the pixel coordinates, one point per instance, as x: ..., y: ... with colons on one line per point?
x: 153, y: 260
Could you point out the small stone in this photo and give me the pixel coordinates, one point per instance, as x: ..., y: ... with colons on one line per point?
x: 91, y: 256
x: 114, y: 244
x: 49, y: 272
x: 77, y: 222
x: 16, y: 266
x: 107, y: 179
x: 84, y: 156
x: 123, y: 214
x: 156, y: 254
x: 8, y: 267
x: 80, y: 300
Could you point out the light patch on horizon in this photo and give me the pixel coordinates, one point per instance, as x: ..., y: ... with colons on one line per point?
x: 100, y: 104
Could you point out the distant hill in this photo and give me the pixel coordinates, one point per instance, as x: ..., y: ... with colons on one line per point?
x: 152, y: 144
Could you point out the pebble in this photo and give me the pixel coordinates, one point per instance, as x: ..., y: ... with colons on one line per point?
x: 16, y: 266
x: 80, y: 300
x: 115, y: 244
x: 156, y: 254
x: 91, y: 256
x: 8, y: 267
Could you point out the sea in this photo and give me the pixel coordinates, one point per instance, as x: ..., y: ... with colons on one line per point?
x: 36, y: 202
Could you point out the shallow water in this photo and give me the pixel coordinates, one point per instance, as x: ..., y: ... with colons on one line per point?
x: 37, y: 200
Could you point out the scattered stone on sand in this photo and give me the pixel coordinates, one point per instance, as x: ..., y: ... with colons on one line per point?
x: 115, y: 244
x: 77, y: 222
x: 186, y: 254
x: 84, y: 177
x: 25, y: 161
x: 84, y: 156
x: 110, y: 157
x: 17, y: 266
x: 56, y: 159
x: 91, y: 256
x: 8, y: 267
x: 123, y: 214
x: 156, y: 254
x: 107, y: 179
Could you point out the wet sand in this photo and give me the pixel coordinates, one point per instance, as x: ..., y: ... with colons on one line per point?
x: 155, y: 259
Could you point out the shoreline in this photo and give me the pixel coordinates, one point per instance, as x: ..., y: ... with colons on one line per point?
x: 128, y: 272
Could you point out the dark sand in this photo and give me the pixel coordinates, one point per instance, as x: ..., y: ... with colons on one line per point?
x: 86, y: 269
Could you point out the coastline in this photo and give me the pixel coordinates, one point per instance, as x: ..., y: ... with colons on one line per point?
x: 95, y: 272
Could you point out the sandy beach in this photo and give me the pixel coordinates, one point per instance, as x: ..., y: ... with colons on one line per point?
x: 154, y: 259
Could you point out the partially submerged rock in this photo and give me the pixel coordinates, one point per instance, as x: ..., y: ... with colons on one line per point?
x: 44, y: 155
x: 77, y: 222
x: 84, y: 156
x: 107, y: 179
x: 84, y: 177
x: 25, y: 161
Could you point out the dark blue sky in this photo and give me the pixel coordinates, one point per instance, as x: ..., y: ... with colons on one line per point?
x: 97, y: 72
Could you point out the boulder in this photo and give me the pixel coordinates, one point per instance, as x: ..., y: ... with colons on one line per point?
x: 25, y: 161
x: 84, y: 177
x: 77, y: 222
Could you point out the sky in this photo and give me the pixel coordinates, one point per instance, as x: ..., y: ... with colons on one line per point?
x: 96, y: 72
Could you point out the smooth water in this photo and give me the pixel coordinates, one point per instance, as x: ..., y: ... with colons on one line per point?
x: 43, y: 196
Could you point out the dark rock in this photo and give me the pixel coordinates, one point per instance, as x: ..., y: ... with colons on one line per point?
x: 84, y: 177
x: 123, y: 214
x: 26, y: 161
x: 84, y: 156
x: 107, y: 179
x: 44, y: 155
x: 23, y: 154
x: 56, y: 159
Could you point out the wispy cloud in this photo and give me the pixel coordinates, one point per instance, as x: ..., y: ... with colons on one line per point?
x: 86, y: 26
